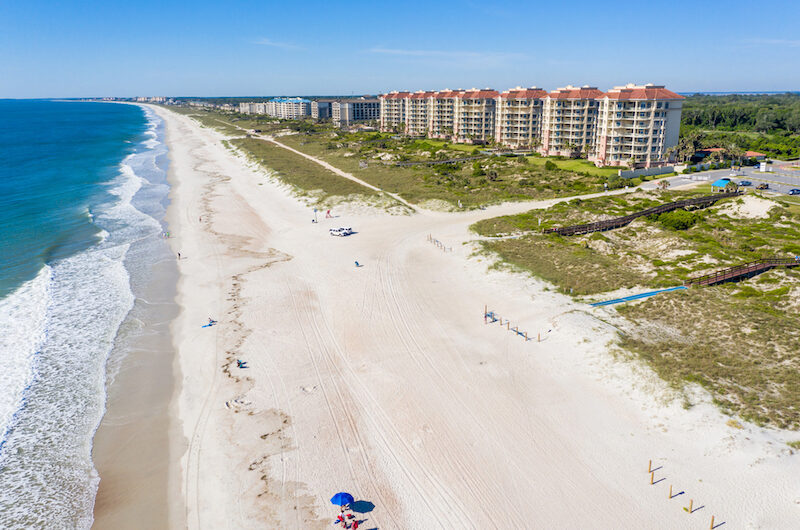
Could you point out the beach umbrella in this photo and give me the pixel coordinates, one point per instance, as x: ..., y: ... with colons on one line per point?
x: 342, y: 499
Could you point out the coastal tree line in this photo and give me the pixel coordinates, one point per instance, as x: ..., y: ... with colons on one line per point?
x: 768, y: 123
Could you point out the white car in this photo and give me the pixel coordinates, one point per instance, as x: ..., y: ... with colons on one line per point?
x: 341, y: 231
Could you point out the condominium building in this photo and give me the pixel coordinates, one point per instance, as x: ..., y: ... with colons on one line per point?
x: 630, y: 125
x: 419, y: 113
x: 393, y: 110
x: 346, y: 111
x: 519, y: 114
x: 289, y: 108
x: 443, y: 113
x: 321, y: 109
x: 475, y: 116
x: 569, y: 119
x: 636, y: 125
x: 246, y: 108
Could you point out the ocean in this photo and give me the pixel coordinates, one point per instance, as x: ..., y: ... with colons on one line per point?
x: 83, y: 194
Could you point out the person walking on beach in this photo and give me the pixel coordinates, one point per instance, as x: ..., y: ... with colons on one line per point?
x: 328, y: 214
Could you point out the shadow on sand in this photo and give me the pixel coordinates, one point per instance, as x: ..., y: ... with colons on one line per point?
x: 361, y: 506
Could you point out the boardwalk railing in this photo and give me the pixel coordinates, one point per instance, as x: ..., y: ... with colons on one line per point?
x: 610, y: 224
x: 434, y: 162
x: 747, y: 269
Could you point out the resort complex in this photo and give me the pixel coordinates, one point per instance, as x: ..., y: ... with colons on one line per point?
x: 342, y: 112
x: 631, y: 125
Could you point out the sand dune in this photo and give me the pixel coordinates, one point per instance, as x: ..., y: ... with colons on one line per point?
x: 384, y: 381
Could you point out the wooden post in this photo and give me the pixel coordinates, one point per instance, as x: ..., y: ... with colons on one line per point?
x: 526, y: 336
x: 485, y: 313
x: 538, y: 337
x: 670, y: 491
x: 508, y: 324
x: 649, y: 466
x: 652, y: 475
x: 691, y: 505
x: 712, y: 523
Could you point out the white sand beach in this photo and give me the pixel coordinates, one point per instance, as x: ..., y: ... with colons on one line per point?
x: 385, y: 382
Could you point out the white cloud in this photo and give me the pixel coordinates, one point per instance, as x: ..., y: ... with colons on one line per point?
x: 263, y: 41
x: 776, y: 42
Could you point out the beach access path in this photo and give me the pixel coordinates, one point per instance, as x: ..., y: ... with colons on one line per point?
x: 384, y: 381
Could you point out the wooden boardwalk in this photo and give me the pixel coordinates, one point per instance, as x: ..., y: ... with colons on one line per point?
x: 610, y: 224
x: 745, y: 270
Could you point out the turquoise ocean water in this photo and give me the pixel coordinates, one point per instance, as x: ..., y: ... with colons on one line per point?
x: 82, y: 198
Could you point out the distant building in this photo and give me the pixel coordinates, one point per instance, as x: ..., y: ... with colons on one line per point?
x: 703, y: 153
x: 321, y: 109
x: 519, y: 117
x: 569, y: 120
x: 443, y: 113
x: 636, y: 125
x: 393, y: 111
x: 419, y: 112
x: 475, y: 116
x: 347, y: 111
x: 631, y: 125
x: 289, y: 108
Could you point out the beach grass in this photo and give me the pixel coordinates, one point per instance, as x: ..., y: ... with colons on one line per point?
x: 738, y: 340
x: 300, y: 172
x: 373, y: 157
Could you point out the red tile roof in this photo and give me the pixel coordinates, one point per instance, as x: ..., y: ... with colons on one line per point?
x: 444, y: 94
x: 526, y: 93
x: 576, y: 93
x: 709, y: 150
x: 395, y: 95
x: 480, y: 94
x: 654, y: 92
x: 422, y: 95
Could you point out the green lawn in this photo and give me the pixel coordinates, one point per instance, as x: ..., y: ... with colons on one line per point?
x: 576, y: 164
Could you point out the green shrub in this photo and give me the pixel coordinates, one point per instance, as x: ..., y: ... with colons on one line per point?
x: 678, y: 219
x: 550, y: 166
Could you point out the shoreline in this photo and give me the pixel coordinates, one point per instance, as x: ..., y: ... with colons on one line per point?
x: 385, y: 382
x: 132, y: 449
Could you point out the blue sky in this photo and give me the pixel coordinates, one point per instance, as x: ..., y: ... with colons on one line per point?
x: 235, y: 48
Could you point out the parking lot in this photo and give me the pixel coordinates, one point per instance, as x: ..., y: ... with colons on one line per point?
x: 780, y: 179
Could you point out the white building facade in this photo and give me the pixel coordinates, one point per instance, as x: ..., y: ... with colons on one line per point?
x: 636, y: 125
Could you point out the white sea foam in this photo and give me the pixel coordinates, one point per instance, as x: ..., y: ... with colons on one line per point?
x: 58, y: 332
x: 22, y: 319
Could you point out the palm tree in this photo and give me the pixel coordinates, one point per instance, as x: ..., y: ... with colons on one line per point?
x: 734, y: 152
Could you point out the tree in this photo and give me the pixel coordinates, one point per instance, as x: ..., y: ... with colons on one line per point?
x: 733, y: 152
x: 663, y: 184
x: 766, y: 120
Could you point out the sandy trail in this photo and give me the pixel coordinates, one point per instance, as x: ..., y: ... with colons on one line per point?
x: 384, y: 381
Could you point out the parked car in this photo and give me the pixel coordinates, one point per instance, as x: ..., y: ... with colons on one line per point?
x: 794, y: 191
x: 745, y: 183
x: 341, y: 231
x: 763, y: 186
